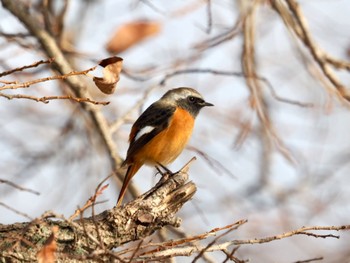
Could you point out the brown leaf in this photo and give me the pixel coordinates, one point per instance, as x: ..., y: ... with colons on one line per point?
x: 47, y: 252
x: 112, y: 68
x: 130, y: 34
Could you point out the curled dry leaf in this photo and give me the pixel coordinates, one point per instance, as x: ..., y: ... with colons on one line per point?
x: 47, y: 252
x: 112, y: 68
x: 130, y: 34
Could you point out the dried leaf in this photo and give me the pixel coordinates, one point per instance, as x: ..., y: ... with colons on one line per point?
x: 130, y: 34
x: 47, y: 252
x: 112, y: 68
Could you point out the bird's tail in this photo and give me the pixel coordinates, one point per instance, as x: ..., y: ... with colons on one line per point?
x: 132, y: 170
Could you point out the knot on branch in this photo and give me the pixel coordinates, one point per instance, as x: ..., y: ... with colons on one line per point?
x: 155, y: 208
x: 107, y: 230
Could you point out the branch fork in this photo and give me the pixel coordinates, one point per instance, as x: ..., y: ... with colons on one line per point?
x: 107, y: 230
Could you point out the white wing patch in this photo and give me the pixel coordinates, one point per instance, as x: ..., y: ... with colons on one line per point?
x: 144, y: 130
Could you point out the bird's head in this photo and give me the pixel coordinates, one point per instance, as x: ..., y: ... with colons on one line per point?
x: 186, y: 98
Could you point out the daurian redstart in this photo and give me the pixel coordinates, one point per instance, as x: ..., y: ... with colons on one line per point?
x: 162, y: 131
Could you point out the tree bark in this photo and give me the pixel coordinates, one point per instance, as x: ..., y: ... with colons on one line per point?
x: 77, y: 239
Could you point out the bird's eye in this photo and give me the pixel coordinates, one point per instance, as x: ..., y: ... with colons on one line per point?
x: 191, y: 99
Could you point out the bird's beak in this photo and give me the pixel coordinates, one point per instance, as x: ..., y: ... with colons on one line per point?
x: 207, y: 104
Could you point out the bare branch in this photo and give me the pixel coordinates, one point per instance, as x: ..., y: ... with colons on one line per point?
x: 132, y: 221
x: 92, y: 200
x: 77, y: 85
x: 33, y: 65
x: 300, y: 231
x: 235, y: 74
x: 19, y: 187
x: 36, y: 81
x: 47, y: 99
x: 180, y: 248
x: 309, y: 260
x: 15, y: 211
x: 216, y: 165
x: 295, y: 20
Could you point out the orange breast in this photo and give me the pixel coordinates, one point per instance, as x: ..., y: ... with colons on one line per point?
x: 166, y: 146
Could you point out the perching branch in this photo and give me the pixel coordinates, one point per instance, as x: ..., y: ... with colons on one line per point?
x: 76, y: 239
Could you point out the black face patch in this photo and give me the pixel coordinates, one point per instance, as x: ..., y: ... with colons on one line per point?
x: 192, y: 104
x: 195, y: 100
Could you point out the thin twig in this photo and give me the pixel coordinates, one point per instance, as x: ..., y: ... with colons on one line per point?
x: 211, y: 244
x: 35, y: 81
x: 221, y: 38
x: 212, y: 162
x: 235, y: 74
x: 177, y: 249
x: 185, y: 240
x: 49, y: 45
x: 300, y: 231
x: 47, y: 99
x: 316, y: 52
x: 309, y: 260
x: 229, y: 256
x: 19, y: 187
x: 98, y: 191
x: 92, y: 200
x: 209, y: 17
x: 33, y: 65
x: 340, y: 64
x: 16, y: 211
x: 294, y: 19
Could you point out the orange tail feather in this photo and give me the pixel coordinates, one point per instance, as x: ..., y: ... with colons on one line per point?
x: 132, y: 170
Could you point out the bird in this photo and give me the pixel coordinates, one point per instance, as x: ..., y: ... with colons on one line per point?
x: 162, y: 131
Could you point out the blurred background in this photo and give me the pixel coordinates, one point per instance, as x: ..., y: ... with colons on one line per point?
x: 273, y: 150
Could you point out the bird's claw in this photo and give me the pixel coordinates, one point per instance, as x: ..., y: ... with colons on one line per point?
x: 165, y: 174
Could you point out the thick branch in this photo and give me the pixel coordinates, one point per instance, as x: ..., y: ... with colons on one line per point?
x: 119, y: 225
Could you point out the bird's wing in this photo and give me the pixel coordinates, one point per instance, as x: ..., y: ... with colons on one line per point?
x: 152, y: 121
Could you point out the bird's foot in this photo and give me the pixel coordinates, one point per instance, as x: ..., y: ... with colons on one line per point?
x: 165, y: 174
x: 164, y: 168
